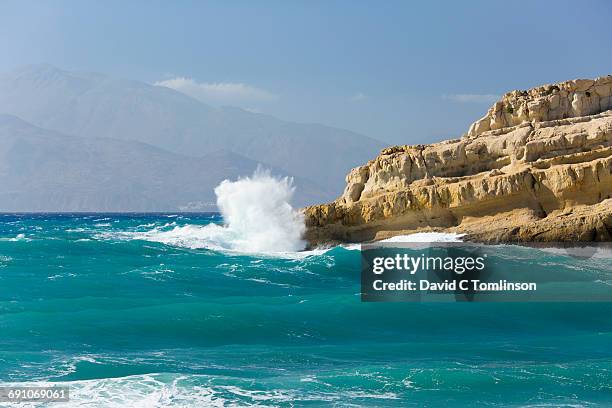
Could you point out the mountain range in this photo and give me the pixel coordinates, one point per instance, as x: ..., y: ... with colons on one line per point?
x: 75, y: 141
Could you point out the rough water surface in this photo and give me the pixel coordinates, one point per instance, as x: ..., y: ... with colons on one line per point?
x: 154, y: 311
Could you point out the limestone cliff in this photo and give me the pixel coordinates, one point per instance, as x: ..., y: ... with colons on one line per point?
x: 537, y: 167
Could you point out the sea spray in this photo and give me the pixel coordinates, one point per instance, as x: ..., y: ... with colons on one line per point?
x: 257, y: 214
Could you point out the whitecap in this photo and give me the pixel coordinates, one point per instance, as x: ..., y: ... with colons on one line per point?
x: 258, y: 215
x: 426, y: 237
x: 17, y: 238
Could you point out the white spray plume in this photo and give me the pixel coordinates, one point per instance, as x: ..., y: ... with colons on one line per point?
x: 257, y: 212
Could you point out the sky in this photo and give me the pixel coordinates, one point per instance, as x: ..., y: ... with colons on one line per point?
x: 399, y: 71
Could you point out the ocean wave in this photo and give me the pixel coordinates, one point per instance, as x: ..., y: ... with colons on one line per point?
x: 258, y: 217
x: 223, y: 239
x: 212, y: 237
x: 426, y: 237
x: 178, y: 390
x: 589, y: 250
x: 17, y: 238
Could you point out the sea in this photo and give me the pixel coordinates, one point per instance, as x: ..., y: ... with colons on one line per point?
x: 229, y: 310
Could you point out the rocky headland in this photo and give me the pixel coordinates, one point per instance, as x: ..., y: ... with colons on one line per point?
x: 536, y: 167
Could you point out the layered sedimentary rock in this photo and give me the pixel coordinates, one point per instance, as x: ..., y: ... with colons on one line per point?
x: 537, y: 167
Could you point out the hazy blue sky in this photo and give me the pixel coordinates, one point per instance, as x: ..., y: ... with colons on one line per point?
x: 398, y: 71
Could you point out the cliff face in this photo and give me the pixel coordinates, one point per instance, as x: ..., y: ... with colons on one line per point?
x: 537, y: 167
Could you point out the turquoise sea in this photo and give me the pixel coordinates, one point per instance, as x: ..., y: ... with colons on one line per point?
x: 151, y: 311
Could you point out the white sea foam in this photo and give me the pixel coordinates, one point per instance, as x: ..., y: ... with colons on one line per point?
x: 145, y: 391
x: 225, y: 238
x: 588, y: 251
x: 258, y: 219
x: 426, y: 237
x: 18, y: 237
x: 159, y: 390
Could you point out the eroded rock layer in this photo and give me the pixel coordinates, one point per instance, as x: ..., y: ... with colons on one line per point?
x: 536, y: 167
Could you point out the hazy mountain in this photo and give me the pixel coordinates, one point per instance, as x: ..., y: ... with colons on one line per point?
x: 94, y: 105
x: 43, y: 170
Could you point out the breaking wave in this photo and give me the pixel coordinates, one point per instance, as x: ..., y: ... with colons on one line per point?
x: 258, y: 218
x: 165, y: 390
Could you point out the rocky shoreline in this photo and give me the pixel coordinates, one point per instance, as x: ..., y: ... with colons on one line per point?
x: 536, y: 167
